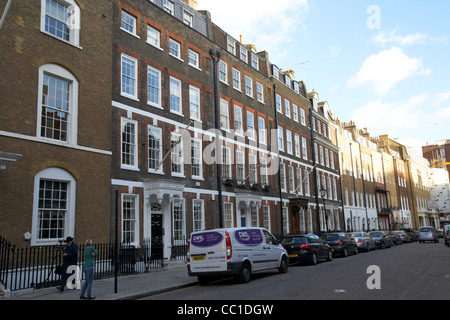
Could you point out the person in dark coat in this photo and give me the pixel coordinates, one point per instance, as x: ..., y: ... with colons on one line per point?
x: 70, y: 257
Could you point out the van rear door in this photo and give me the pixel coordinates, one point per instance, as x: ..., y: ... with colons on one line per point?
x: 208, y: 251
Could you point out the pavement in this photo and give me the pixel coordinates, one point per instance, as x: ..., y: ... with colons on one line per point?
x: 129, y: 287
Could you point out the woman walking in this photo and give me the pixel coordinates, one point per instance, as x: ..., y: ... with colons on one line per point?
x: 89, y: 268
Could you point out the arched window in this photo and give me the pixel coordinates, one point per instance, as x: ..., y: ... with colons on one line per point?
x: 53, y: 206
x: 61, y: 19
x: 57, y: 104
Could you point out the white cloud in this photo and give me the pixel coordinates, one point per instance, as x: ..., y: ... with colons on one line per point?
x: 384, y: 70
x: 387, y: 38
x: 260, y: 22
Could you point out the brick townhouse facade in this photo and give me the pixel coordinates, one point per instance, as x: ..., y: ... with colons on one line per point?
x: 149, y: 110
x: 55, y: 116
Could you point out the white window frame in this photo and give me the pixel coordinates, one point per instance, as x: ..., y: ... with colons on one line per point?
x: 259, y: 92
x: 297, y: 145
x: 158, y: 161
x: 133, y: 24
x: 134, y: 152
x: 135, y: 199
x: 175, y: 48
x: 255, y: 61
x: 249, y: 86
x: 157, y: 104
x: 287, y: 108
x: 73, y: 23
x: 280, y: 138
x: 224, y: 114
x: 195, y: 221
x: 238, y: 124
x: 240, y: 165
x: 54, y: 174
x: 134, y: 77
x: 176, y: 93
x: 196, y: 157
x: 56, y: 71
x: 169, y: 7
x: 262, y: 130
x: 243, y: 54
x: 194, y: 59
x: 251, y: 133
x: 223, y: 72
x: 154, y: 37
x: 289, y: 141
x: 231, y: 46
x: 194, y: 103
x: 180, y: 161
x: 237, y: 80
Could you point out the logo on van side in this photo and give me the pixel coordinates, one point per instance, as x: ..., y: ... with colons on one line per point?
x: 206, y: 239
x: 249, y: 237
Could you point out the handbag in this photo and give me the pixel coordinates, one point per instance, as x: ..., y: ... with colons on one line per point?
x: 59, y: 269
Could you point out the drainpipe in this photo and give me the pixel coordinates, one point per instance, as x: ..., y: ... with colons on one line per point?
x: 5, y: 13
x: 215, y: 57
x: 278, y: 153
x: 311, y: 119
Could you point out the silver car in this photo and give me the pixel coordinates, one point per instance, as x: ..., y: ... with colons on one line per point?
x: 428, y: 234
x: 364, y: 241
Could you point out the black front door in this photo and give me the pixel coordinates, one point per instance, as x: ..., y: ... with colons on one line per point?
x: 157, y: 236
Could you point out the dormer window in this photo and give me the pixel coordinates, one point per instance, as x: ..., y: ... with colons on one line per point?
x: 275, y: 71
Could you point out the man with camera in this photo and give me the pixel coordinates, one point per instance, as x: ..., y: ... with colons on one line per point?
x: 70, y: 257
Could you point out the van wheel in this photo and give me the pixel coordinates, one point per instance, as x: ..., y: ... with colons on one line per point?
x: 283, y: 265
x: 245, y: 274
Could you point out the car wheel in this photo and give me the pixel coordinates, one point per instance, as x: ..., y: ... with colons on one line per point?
x: 245, y: 274
x: 383, y: 245
x: 314, y: 259
x: 356, y: 250
x: 283, y: 265
x: 345, y: 253
x: 330, y: 256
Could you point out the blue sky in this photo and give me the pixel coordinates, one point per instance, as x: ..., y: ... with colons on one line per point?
x: 383, y: 64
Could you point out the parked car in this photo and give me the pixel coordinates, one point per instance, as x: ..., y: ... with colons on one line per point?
x: 404, y: 236
x: 237, y: 252
x: 395, y: 238
x: 364, y: 241
x: 447, y: 235
x: 382, y: 239
x: 341, y: 243
x: 413, y: 234
x: 428, y: 234
x: 306, y: 248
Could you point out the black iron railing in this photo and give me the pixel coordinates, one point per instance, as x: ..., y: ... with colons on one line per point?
x: 33, y: 267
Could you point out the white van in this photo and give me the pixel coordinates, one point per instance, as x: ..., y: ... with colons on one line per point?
x: 234, y: 251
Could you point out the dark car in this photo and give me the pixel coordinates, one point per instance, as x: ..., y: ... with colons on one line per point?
x: 306, y: 248
x: 395, y: 238
x: 404, y: 236
x: 413, y: 234
x: 382, y: 238
x: 341, y: 243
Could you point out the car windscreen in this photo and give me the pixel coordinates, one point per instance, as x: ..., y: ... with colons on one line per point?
x: 426, y: 229
x: 358, y: 234
x: 294, y: 240
x: 330, y: 237
x: 376, y: 234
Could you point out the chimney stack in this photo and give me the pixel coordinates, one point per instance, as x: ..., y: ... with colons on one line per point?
x: 192, y: 3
